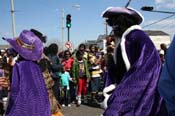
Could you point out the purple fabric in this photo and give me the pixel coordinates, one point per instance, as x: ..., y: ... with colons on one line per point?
x: 28, y: 95
x: 29, y: 38
x: 137, y: 95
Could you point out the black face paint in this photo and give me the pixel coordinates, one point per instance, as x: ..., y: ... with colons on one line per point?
x: 120, y: 23
x: 118, y: 31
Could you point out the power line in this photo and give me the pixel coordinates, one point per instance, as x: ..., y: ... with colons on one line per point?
x: 159, y: 21
x: 168, y: 25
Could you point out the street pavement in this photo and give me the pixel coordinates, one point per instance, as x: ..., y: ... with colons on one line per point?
x: 82, y: 110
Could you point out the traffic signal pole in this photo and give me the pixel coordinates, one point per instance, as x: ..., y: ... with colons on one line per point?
x: 68, y: 34
x: 68, y: 25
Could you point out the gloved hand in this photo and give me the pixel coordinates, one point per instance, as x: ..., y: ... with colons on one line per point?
x: 107, y: 90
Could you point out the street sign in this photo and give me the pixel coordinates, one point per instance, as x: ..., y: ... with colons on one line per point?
x: 68, y: 45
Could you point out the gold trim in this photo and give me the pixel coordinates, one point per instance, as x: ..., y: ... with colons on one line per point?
x: 24, y: 45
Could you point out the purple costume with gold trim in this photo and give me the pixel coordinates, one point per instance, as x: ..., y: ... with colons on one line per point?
x: 28, y: 96
x: 136, y: 94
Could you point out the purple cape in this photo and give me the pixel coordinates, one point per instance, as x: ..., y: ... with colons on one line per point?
x: 136, y: 94
x: 28, y: 96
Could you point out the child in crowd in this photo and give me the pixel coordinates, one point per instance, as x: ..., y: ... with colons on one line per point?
x: 80, y: 72
x: 65, y: 93
x: 67, y: 61
x: 95, y: 72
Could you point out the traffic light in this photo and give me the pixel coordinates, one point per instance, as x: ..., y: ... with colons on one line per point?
x: 147, y: 8
x: 68, y: 21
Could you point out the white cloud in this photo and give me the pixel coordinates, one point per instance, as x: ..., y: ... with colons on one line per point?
x: 170, y: 5
x: 159, y: 1
x: 165, y: 3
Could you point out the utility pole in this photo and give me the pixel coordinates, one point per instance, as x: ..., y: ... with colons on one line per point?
x: 13, y: 18
x: 106, y: 29
x: 63, y: 29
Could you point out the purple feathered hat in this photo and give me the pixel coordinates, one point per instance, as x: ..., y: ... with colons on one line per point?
x: 28, y: 45
x: 114, y: 11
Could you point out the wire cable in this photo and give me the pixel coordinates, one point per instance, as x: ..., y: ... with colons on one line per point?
x: 158, y: 21
x: 169, y: 24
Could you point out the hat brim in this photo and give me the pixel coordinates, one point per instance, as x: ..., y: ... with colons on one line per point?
x: 34, y: 54
x: 114, y: 11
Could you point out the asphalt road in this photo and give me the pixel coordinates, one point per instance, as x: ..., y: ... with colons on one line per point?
x: 83, y: 110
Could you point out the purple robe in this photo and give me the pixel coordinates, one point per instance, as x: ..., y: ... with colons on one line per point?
x: 28, y: 96
x: 136, y: 94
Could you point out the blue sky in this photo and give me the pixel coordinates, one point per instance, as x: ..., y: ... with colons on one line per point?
x: 87, y: 23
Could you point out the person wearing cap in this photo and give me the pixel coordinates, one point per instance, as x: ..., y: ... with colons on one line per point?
x: 135, y: 72
x: 28, y: 94
x: 166, y: 84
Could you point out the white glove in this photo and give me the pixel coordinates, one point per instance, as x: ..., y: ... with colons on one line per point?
x: 107, y: 90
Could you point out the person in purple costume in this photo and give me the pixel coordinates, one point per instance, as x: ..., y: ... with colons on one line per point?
x: 132, y: 79
x: 28, y: 94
